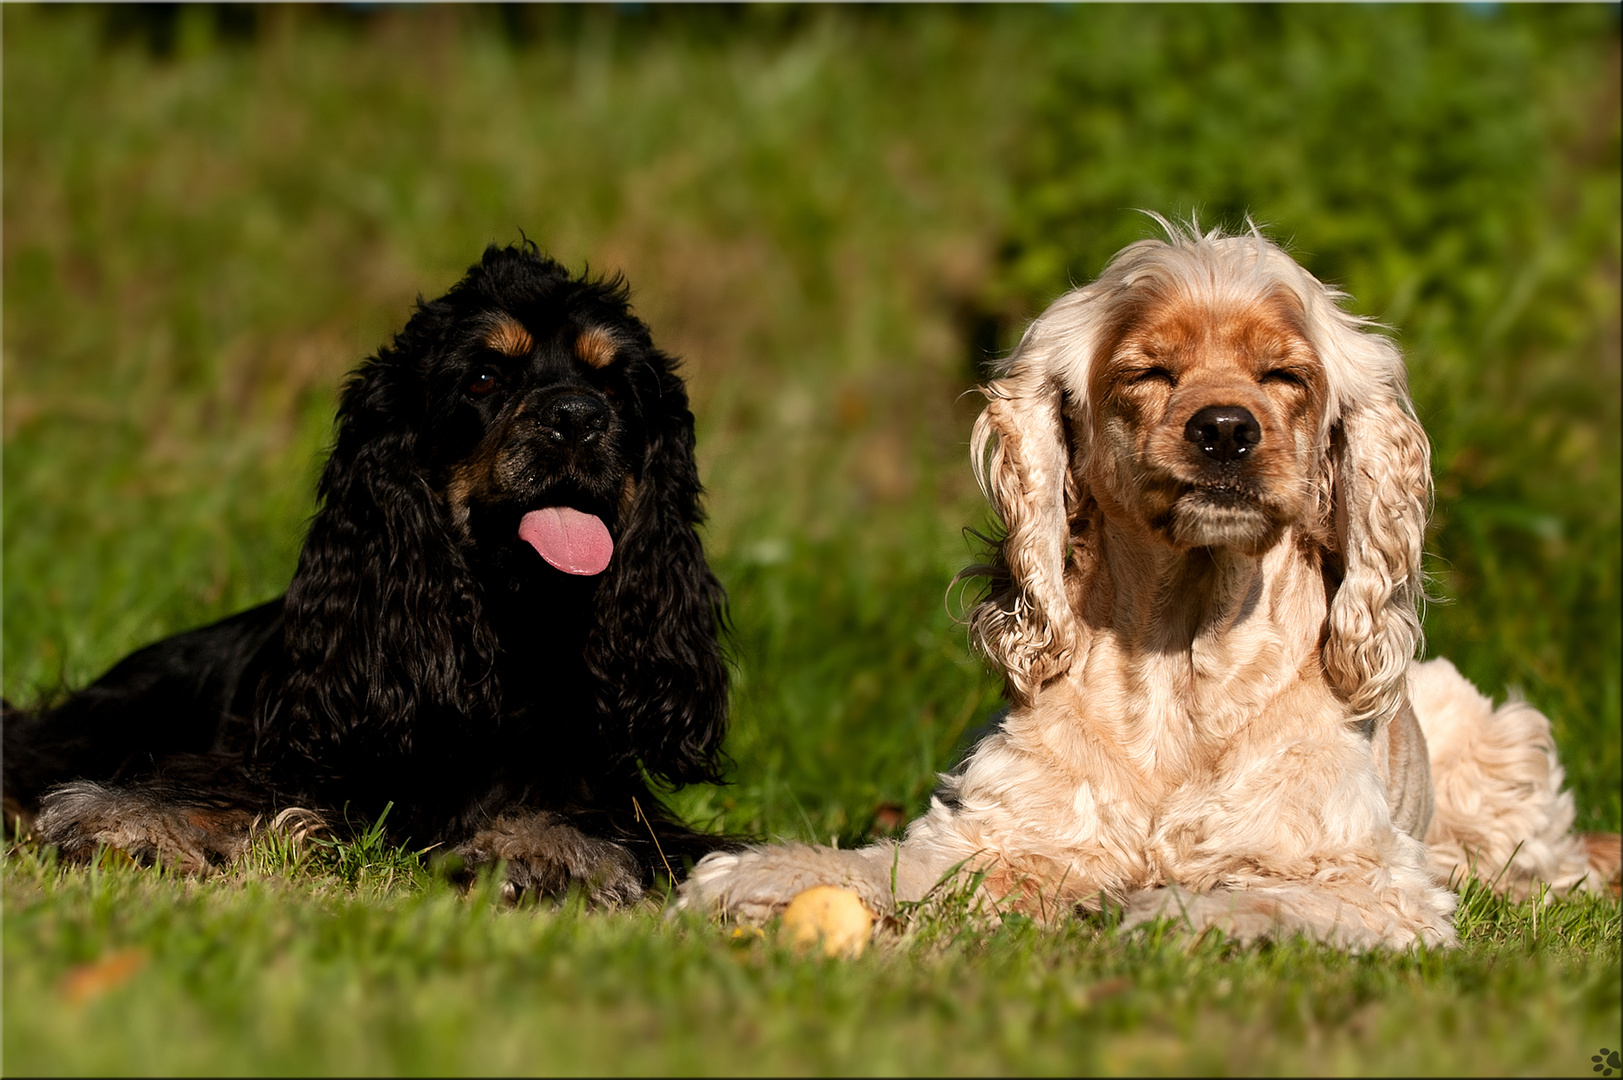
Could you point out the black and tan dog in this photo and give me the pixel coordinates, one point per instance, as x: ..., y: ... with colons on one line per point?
x: 502, y: 622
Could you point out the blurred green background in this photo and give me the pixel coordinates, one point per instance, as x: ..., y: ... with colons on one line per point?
x: 836, y: 216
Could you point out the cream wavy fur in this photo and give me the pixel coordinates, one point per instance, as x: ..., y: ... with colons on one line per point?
x: 1215, y: 713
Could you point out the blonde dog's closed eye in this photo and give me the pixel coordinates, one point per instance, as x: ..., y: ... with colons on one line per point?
x: 1214, y: 492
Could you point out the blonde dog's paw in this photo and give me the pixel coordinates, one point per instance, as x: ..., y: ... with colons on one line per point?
x: 1250, y: 915
x: 758, y: 883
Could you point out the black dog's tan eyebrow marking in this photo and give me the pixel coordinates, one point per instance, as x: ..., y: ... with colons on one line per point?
x: 508, y: 336
x: 596, y: 346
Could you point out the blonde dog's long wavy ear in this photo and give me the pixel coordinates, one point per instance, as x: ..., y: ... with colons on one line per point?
x: 1380, y: 487
x: 1027, y: 469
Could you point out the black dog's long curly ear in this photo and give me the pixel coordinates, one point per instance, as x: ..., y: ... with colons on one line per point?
x: 385, y: 641
x: 655, y: 650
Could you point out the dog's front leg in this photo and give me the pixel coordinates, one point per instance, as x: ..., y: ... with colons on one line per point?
x: 152, y: 827
x: 1349, y: 915
x: 544, y: 853
x: 757, y: 883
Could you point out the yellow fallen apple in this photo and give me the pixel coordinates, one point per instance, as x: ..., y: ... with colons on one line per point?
x: 831, y: 916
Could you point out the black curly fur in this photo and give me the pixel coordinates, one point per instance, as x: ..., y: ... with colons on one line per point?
x: 423, y: 655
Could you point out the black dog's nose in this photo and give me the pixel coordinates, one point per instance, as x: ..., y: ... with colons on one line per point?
x: 577, y: 418
x: 1224, y: 432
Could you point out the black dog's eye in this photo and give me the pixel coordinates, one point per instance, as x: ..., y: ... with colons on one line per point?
x: 1151, y: 374
x: 1283, y: 375
x: 483, y: 382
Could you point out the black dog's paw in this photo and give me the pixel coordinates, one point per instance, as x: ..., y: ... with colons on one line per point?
x: 545, y: 855
x: 81, y: 817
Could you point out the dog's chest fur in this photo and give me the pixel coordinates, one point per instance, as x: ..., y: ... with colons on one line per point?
x: 1191, y: 741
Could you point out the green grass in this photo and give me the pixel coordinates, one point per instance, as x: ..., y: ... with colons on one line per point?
x: 279, y: 973
x: 832, y: 215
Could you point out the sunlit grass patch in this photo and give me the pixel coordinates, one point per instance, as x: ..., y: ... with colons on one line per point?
x: 119, y: 969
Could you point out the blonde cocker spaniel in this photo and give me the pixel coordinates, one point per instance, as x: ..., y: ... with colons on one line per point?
x: 1214, y: 492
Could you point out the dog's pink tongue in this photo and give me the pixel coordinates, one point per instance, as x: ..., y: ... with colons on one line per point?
x: 574, y: 542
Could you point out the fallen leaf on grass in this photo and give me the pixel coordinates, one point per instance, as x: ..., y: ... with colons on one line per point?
x: 1109, y: 988
x: 887, y: 818
x: 86, y: 982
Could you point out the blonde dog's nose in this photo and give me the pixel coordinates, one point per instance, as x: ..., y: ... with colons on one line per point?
x: 1224, y: 432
